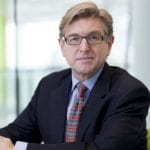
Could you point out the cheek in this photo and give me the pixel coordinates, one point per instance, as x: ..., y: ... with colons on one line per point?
x: 65, y: 51
x: 101, y: 54
x: 105, y: 50
x: 69, y: 56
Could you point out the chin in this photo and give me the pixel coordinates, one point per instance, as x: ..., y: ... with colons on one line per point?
x: 85, y: 72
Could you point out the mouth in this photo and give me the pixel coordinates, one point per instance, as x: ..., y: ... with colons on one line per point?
x: 85, y: 59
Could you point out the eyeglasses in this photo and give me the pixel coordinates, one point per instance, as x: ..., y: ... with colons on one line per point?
x: 91, y: 38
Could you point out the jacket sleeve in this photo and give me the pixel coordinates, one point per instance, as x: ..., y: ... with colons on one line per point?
x: 24, y: 127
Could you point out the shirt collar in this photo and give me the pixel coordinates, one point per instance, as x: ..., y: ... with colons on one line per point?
x: 89, y: 82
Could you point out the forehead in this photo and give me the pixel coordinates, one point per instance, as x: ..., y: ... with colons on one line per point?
x: 84, y: 26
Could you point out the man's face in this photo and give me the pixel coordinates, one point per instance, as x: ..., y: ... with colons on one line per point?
x: 85, y: 59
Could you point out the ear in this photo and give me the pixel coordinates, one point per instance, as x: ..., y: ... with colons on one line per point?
x: 110, y: 42
x: 61, y: 44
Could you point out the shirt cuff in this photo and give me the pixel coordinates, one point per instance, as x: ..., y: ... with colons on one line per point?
x: 20, y: 145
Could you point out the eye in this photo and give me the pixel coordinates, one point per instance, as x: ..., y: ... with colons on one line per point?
x: 73, y: 38
x: 94, y: 36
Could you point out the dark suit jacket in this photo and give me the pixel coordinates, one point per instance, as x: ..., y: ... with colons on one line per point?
x: 113, y: 119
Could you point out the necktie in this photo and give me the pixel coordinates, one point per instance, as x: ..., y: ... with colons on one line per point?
x: 75, y: 114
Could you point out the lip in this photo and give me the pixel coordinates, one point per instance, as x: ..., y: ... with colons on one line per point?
x: 85, y: 58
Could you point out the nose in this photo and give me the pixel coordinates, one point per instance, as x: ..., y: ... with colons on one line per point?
x: 84, y: 46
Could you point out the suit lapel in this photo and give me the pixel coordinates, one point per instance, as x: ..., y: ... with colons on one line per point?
x: 95, y: 101
x: 60, y: 103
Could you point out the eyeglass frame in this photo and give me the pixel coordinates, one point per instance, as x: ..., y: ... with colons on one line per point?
x: 103, y: 38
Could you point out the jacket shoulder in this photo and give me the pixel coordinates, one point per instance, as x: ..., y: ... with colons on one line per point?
x: 122, y: 78
x: 56, y: 78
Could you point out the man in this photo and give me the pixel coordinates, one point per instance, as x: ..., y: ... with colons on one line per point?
x: 107, y: 114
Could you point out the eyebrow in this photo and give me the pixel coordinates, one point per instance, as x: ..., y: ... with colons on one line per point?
x: 76, y: 34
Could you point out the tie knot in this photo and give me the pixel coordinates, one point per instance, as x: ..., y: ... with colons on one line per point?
x: 81, y: 89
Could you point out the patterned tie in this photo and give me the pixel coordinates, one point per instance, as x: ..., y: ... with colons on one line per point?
x: 75, y: 114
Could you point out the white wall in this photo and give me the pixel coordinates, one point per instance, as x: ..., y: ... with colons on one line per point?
x: 141, y: 42
x: 141, y: 39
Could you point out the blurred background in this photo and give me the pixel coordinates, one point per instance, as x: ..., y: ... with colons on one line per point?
x: 29, y: 46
